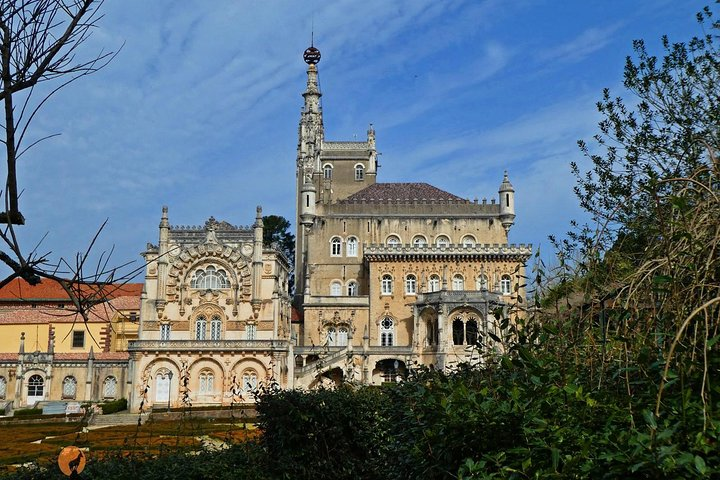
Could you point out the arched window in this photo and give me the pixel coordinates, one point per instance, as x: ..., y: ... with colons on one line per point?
x: 110, y: 387
x: 442, y: 241
x: 506, y: 285
x: 434, y: 283
x: 458, y: 282
x: 419, y: 241
x: 351, y: 247
x: 410, y: 284
x: 200, y: 327
x: 482, y: 282
x: 458, y: 331
x: 3, y: 388
x: 387, y: 332
x: 359, y: 172
x: 342, y: 337
x: 250, y: 332
x: 215, y: 327
x: 468, y: 241
x: 249, y: 380
x: 335, y: 247
x: 336, y: 289
x: 386, y: 285
x: 352, y: 289
x: 327, y: 171
x: 36, y: 385
x: 209, y: 279
x: 207, y: 380
x: 330, y: 337
x: 165, y: 332
x: 392, y: 241
x: 69, y: 387
x: 471, y: 331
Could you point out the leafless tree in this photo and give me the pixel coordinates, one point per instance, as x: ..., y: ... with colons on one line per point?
x: 40, y: 41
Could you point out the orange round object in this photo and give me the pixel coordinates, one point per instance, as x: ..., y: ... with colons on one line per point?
x: 71, y: 460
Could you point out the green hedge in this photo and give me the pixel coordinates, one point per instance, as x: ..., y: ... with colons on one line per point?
x: 114, y: 406
x: 27, y: 412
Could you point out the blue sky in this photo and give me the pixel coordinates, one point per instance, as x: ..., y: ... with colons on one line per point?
x: 199, y: 110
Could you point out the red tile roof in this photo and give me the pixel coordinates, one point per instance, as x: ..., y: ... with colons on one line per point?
x: 19, y: 290
x: 383, y: 192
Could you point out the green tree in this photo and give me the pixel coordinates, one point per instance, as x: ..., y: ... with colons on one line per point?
x: 276, y: 230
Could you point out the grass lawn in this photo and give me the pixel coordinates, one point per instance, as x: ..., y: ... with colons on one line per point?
x: 43, y: 442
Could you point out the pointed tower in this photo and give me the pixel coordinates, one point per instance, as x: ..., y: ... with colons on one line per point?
x: 507, y: 203
x: 310, y: 137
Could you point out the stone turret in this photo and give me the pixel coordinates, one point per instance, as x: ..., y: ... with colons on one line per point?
x: 507, y: 203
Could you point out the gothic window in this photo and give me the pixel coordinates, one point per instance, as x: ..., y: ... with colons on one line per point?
x: 165, y: 332
x: 458, y: 282
x: 352, y: 247
x: 35, y: 386
x: 250, y: 332
x: 69, y: 387
x: 327, y: 171
x: 330, y: 337
x: 207, y: 380
x: 458, y: 331
x: 471, y: 331
x: 468, y: 241
x: 215, y: 327
x: 482, y: 282
x: 78, y: 339
x: 109, y: 387
x: 336, y: 289
x: 419, y: 241
x: 249, y: 380
x: 505, y: 284
x: 342, y: 337
x: 3, y: 388
x: 411, y: 284
x: 434, y: 283
x: 442, y: 241
x: 359, y: 172
x: 335, y: 247
x: 387, y: 332
x: 386, y: 285
x: 352, y: 289
x: 209, y: 279
x: 200, y: 327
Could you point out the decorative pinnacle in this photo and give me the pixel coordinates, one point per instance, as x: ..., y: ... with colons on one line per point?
x: 311, y: 56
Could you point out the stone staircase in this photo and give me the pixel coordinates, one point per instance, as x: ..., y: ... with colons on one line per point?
x: 118, y: 419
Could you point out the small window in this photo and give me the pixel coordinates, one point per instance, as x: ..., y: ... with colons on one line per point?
x: 471, y: 331
x: 200, y: 328
x: 336, y: 289
x: 165, y: 332
x: 458, y: 282
x: 359, y: 172
x: 335, y: 247
x: 458, y: 331
x: 207, y: 382
x: 110, y: 387
x: 419, y: 241
x: 69, y: 387
x: 352, y: 289
x: 249, y: 380
x: 36, y: 385
x: 386, y: 285
x: 215, y: 327
x: 411, y: 284
x: 482, y: 282
x: 250, y: 332
x: 387, y: 332
x: 3, y: 388
x: 330, y: 337
x: 468, y: 241
x: 434, y: 283
x: 352, y: 247
x: 342, y: 337
x: 78, y: 339
x: 392, y: 240
x: 506, y: 285
x: 327, y: 172
x: 442, y: 241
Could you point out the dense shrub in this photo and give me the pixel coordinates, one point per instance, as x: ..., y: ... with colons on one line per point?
x: 27, y: 412
x: 114, y: 406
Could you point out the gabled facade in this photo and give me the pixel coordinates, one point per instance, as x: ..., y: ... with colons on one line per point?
x: 390, y: 275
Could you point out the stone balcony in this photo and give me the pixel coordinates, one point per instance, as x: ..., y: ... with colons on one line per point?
x: 379, y: 252
x: 207, y: 345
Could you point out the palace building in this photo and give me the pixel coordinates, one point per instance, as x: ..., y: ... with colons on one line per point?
x: 388, y: 276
